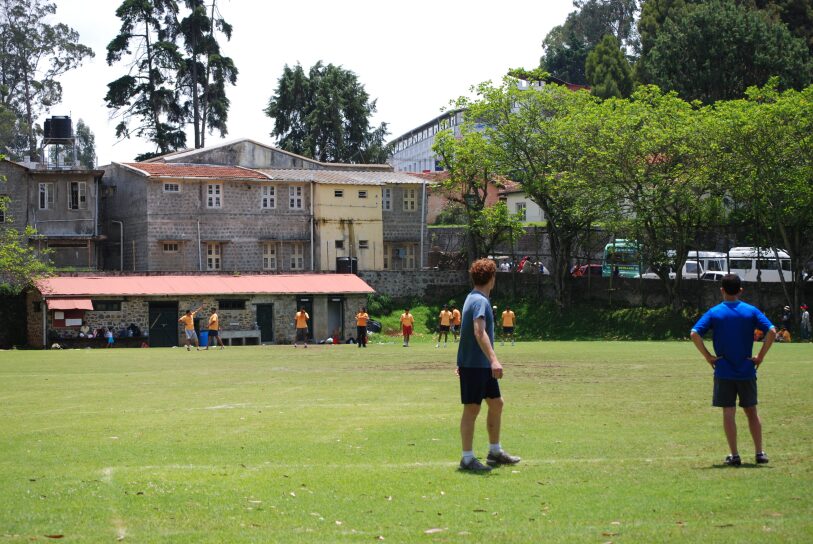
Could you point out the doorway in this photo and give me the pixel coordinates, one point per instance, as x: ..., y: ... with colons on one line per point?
x: 335, y: 316
x: 305, y: 301
x: 265, y: 322
x: 163, y: 321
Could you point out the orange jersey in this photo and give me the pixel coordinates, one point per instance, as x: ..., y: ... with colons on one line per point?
x: 445, y: 318
x: 302, y: 320
x: 188, y: 321
x: 361, y: 319
x: 508, y: 318
x: 455, y: 317
x: 407, y: 320
x: 214, y: 322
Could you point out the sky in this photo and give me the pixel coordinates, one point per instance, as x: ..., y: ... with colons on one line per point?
x: 413, y: 57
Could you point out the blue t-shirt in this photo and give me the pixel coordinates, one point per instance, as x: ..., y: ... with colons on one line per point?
x: 733, y: 324
x: 469, y: 354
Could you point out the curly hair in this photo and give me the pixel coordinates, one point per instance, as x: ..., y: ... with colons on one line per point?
x: 482, y: 270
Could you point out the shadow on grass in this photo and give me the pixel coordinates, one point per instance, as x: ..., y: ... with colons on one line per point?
x: 742, y: 466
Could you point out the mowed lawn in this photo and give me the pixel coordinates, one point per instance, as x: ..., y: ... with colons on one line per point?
x: 338, y: 444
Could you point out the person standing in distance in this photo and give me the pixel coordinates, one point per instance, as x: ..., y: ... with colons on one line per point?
x: 509, y: 321
x: 735, y: 369
x: 188, y: 320
x: 407, y: 322
x: 301, y: 322
x: 361, y: 327
x: 445, y: 321
x: 479, y: 371
x: 456, y: 318
x: 214, y: 330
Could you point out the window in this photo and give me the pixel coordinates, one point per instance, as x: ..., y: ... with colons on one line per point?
x: 77, y: 195
x: 387, y: 252
x: 386, y: 199
x: 520, y: 210
x: 170, y: 247
x: 231, y: 304
x: 213, y: 255
x: 214, y: 195
x: 297, y: 257
x: 409, y: 261
x: 106, y: 305
x: 766, y: 264
x: 268, y: 197
x: 269, y: 256
x: 46, y: 196
x: 741, y: 264
x: 410, y: 198
x: 364, y: 244
x: 338, y: 194
x: 172, y: 187
x: 339, y: 244
x: 362, y: 194
x: 295, y: 197
x: 3, y: 203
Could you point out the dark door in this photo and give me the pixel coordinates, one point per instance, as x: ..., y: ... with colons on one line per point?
x: 306, y: 302
x: 265, y: 321
x: 335, y: 316
x: 163, y: 324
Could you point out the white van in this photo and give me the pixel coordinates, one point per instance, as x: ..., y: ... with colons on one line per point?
x: 697, y: 263
x: 747, y: 262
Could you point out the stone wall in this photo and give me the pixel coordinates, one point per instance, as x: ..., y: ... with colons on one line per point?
x: 417, y: 283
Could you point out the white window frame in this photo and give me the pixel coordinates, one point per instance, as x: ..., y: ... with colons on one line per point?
x: 297, y: 260
x: 409, y: 260
x: 386, y: 199
x: 172, y: 187
x: 171, y: 247
x: 81, y: 195
x: 268, y: 197
x: 410, y: 200
x: 214, y: 195
x: 47, y: 194
x: 521, y: 208
x: 296, y: 200
x: 269, y: 256
x: 214, y: 256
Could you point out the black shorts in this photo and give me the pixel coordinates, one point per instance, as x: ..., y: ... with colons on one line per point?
x: 213, y: 332
x: 302, y: 335
x: 477, y: 384
x: 444, y: 328
x: 726, y: 393
x: 508, y: 330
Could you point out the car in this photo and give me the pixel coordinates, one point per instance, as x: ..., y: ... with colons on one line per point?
x: 713, y: 275
x: 373, y: 325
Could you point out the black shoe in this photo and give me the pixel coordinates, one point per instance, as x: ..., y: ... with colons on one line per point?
x: 762, y: 458
x: 733, y: 460
x: 502, y: 458
x: 474, y: 465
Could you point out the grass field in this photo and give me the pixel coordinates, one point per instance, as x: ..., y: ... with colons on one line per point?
x: 337, y: 444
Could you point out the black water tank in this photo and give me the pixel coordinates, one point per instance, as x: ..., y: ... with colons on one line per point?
x: 58, y: 127
x: 347, y: 265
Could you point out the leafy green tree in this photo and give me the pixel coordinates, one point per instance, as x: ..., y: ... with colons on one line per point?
x: 33, y: 55
x: 564, y: 54
x: 85, y: 145
x: 326, y: 115
x: 20, y: 263
x: 13, y: 130
x: 205, y: 72
x: 147, y: 93
x: 765, y: 160
x: 716, y: 50
x: 608, y: 71
x: 796, y: 14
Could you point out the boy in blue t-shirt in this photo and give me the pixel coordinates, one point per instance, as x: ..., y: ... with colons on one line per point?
x: 735, y: 370
x: 479, y: 369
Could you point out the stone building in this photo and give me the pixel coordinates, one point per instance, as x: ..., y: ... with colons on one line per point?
x: 252, y: 309
x: 244, y: 206
x: 61, y: 204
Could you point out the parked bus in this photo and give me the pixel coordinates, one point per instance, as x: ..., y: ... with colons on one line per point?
x: 748, y: 262
x: 622, y: 256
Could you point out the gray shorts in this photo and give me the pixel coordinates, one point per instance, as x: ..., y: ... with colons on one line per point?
x: 301, y: 335
x: 191, y: 334
x: 726, y: 393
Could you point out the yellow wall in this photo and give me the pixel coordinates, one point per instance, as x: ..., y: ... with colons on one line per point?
x: 350, y: 219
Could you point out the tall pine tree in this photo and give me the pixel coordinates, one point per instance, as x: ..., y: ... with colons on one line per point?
x: 608, y: 71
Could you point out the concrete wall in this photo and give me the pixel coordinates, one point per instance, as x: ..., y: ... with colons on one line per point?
x: 248, y: 154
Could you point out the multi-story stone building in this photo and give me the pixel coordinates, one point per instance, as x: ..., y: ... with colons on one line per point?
x: 247, y: 207
x: 61, y: 204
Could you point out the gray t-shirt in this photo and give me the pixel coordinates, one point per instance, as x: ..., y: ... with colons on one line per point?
x: 469, y: 354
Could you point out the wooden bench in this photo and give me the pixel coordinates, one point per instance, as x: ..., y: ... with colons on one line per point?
x: 240, y: 337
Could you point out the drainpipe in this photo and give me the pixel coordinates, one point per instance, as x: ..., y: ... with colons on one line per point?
x: 312, y: 221
x: 200, y: 256
x: 121, y: 243
x: 44, y: 313
x: 423, y: 218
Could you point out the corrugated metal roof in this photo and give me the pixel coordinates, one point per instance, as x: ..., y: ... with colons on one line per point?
x: 70, y: 304
x: 209, y: 171
x: 201, y: 285
x: 340, y: 177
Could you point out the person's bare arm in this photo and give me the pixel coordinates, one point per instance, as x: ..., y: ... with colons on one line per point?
x: 484, y: 342
x: 701, y: 347
x: 770, y: 336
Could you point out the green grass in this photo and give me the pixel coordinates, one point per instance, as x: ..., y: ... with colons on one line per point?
x: 336, y: 444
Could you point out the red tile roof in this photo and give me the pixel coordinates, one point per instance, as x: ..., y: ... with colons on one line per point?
x: 202, y: 285
x: 157, y: 169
